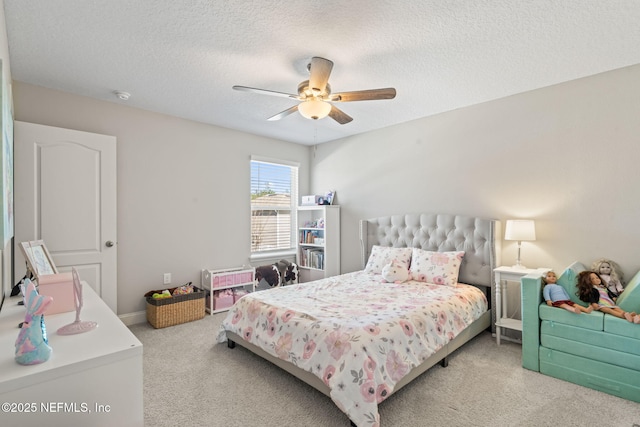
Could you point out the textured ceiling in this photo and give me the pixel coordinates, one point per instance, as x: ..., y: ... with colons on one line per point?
x: 182, y: 57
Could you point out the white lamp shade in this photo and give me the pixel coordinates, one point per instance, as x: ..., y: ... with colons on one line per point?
x: 314, y: 109
x: 520, y: 230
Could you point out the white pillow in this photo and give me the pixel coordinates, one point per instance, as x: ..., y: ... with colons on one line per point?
x: 440, y: 268
x: 383, y: 255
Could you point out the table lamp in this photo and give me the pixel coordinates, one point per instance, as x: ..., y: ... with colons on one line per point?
x: 520, y: 230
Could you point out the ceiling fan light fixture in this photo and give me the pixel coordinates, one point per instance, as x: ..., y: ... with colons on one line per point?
x: 314, y: 109
x: 316, y: 99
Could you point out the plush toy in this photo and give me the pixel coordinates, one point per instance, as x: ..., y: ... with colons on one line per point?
x: 32, y: 346
x: 395, y: 272
x: 288, y: 271
x: 183, y: 290
x: 610, y: 274
x: 161, y: 295
x: 267, y: 276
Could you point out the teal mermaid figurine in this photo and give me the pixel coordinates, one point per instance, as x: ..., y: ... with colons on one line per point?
x: 32, y: 345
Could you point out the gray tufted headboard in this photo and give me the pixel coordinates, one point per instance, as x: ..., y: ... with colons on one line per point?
x: 479, y: 238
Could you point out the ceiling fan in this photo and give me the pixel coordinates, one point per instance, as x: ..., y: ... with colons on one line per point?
x: 316, y: 97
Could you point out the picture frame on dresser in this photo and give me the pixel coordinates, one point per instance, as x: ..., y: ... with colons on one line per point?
x: 38, y: 258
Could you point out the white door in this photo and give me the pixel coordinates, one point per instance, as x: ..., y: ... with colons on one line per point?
x: 65, y: 195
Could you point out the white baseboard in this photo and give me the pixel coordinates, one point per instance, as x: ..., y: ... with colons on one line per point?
x: 133, y: 318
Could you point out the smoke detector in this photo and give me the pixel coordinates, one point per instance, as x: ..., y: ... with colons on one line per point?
x: 124, y: 96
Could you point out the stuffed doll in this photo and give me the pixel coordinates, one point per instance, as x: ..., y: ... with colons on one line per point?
x: 591, y: 289
x: 556, y: 296
x: 32, y: 346
x: 395, y: 272
x: 610, y: 274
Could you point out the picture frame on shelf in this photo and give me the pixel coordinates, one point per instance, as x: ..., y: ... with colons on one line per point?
x: 329, y: 196
x: 38, y: 258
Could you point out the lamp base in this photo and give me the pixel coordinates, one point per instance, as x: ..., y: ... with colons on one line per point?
x: 518, y: 265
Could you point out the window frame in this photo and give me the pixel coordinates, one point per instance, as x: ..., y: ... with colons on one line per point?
x: 294, y: 188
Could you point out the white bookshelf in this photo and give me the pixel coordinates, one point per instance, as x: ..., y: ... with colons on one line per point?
x: 318, y: 242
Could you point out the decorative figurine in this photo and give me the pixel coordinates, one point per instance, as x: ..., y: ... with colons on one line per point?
x: 32, y: 346
x: 78, y: 326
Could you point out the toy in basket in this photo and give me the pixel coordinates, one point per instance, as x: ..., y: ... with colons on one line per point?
x: 175, y: 306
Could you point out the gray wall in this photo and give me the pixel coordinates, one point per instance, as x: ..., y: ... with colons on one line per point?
x: 183, y: 187
x: 566, y: 156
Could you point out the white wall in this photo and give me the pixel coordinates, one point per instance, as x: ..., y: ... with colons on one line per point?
x: 183, y: 187
x: 566, y: 156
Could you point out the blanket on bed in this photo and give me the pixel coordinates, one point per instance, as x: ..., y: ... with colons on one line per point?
x: 358, y: 335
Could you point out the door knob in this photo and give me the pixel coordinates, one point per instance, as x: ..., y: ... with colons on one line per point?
x: 109, y: 243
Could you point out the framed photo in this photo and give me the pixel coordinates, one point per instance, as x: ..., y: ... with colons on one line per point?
x: 329, y: 196
x: 39, y: 260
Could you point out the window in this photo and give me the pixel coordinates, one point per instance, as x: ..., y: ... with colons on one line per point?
x: 274, y: 196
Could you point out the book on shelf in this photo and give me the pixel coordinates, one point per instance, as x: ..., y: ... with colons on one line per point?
x: 309, y: 236
x: 312, y: 257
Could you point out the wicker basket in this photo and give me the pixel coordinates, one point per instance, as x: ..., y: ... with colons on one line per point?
x: 175, y: 310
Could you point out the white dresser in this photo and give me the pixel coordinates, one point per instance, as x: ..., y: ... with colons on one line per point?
x: 92, y: 379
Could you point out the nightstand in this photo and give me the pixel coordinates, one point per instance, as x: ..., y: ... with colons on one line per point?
x: 503, y: 275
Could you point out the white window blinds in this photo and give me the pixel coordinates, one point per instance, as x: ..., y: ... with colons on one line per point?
x: 274, y: 195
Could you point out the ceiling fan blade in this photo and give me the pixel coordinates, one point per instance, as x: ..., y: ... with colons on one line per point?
x: 266, y: 92
x: 339, y: 115
x: 363, y: 95
x: 284, y: 113
x: 319, y: 72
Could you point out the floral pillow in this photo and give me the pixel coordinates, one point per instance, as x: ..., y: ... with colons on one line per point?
x: 440, y: 268
x: 383, y: 255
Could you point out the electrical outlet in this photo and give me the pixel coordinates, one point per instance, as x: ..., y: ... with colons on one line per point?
x: 167, y: 278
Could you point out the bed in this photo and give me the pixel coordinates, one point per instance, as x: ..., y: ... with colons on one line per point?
x: 357, y: 338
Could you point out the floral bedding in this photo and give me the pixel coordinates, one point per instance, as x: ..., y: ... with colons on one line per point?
x: 359, y: 335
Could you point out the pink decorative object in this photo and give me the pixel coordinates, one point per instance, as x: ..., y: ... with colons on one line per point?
x: 58, y: 286
x: 78, y: 326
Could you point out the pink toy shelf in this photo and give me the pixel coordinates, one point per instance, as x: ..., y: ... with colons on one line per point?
x: 224, y: 284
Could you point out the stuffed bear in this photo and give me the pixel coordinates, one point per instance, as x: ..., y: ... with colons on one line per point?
x: 395, y: 272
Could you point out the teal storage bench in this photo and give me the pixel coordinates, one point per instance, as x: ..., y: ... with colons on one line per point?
x: 594, y: 350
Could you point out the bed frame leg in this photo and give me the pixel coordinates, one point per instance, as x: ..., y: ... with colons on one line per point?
x: 444, y: 362
x: 231, y: 344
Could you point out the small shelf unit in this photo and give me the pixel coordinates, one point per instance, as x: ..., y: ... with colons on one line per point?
x: 318, y: 242
x: 224, y: 282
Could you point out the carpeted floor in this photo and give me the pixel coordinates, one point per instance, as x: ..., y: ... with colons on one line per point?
x: 189, y: 380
